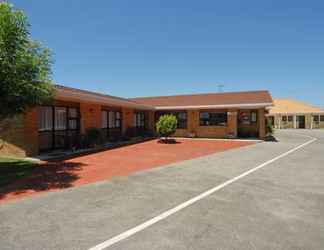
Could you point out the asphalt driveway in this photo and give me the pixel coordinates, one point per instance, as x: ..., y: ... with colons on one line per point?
x: 278, y: 206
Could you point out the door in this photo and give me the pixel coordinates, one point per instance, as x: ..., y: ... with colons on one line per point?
x: 248, y: 124
x: 301, y: 121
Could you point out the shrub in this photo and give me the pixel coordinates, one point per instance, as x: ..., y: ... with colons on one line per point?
x: 92, y: 136
x: 166, y: 126
x: 269, y: 127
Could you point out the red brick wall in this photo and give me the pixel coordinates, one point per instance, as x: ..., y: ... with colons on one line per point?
x: 31, y: 132
x: 90, y: 116
x: 127, y: 118
x: 262, y: 123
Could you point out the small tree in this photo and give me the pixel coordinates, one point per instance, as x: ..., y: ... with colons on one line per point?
x: 25, y: 66
x: 166, y: 126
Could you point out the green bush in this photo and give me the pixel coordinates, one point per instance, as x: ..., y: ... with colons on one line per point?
x: 269, y: 127
x: 166, y: 126
x: 92, y: 136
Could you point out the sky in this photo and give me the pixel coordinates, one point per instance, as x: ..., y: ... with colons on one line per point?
x: 134, y: 48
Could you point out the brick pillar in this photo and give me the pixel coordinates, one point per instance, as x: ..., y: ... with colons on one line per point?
x: 150, y: 120
x: 31, y: 132
x: 127, y: 119
x: 262, y: 128
x: 90, y: 116
x: 232, y: 123
x: 192, y: 122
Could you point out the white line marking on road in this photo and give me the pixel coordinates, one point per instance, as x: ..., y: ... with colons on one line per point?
x: 176, y: 209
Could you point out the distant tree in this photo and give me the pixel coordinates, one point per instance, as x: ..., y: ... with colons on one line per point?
x: 25, y: 65
x: 166, y: 126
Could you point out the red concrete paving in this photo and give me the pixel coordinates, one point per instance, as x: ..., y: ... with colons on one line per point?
x: 116, y: 162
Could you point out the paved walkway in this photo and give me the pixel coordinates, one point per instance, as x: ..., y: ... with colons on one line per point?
x: 116, y: 162
x: 279, y: 206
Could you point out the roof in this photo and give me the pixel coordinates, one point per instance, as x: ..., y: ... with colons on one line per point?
x: 289, y: 106
x: 209, y: 100
x: 68, y: 93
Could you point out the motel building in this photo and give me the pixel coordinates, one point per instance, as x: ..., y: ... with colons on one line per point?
x: 61, y: 124
x: 292, y: 114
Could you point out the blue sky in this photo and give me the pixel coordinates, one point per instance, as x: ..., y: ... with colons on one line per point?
x: 148, y: 47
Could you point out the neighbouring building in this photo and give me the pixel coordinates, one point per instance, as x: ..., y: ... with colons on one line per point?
x: 63, y: 122
x: 287, y: 113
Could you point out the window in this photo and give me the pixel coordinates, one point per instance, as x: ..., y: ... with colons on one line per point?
x: 284, y: 118
x: 45, y: 118
x: 111, y: 119
x: 290, y: 118
x: 60, y: 118
x: 117, y: 120
x: 73, y: 118
x: 139, y: 119
x: 182, y: 120
x: 58, y: 127
x: 104, y: 119
x: 316, y: 118
x: 114, y: 119
x: 213, y: 119
x: 322, y: 118
x: 254, y: 116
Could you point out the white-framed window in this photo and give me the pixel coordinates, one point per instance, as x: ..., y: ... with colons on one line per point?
x: 114, y: 119
x: 45, y: 118
x: 254, y: 116
x: 139, y: 119
x: 60, y: 118
x: 104, y: 119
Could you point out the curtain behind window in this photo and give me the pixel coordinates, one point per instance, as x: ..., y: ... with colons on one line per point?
x: 60, y: 118
x: 45, y: 118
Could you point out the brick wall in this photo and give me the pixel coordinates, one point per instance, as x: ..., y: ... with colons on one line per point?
x: 19, y: 135
x: 150, y: 120
x: 90, y: 116
x: 31, y: 132
x: 194, y: 128
x: 127, y: 119
x: 262, y: 123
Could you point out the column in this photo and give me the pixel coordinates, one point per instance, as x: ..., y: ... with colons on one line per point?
x: 262, y: 127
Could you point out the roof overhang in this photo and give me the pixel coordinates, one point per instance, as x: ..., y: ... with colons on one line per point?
x: 297, y: 113
x: 241, y: 106
x: 70, y: 95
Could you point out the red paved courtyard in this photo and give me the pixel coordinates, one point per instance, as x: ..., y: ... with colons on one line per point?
x: 115, y: 162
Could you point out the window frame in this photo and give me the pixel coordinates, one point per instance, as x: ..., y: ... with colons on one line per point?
x: 182, y: 122
x: 67, y: 118
x: 254, y: 112
x: 117, y: 119
x: 51, y: 122
x: 139, y: 119
x: 321, y: 118
x: 206, y: 122
x: 290, y: 118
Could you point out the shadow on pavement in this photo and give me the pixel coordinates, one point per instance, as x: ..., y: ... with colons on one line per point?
x: 53, y: 175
